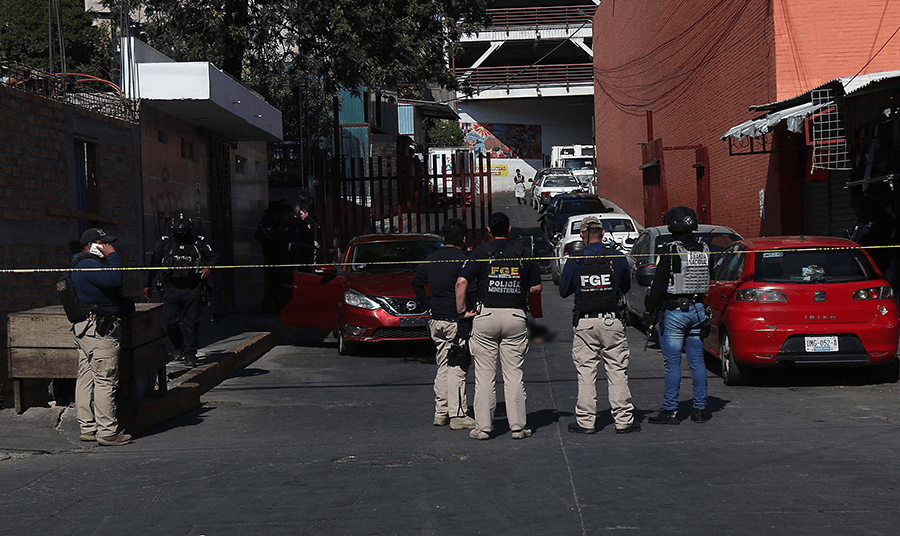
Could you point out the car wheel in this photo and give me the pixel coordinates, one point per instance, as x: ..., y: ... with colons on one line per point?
x: 344, y: 347
x: 887, y: 373
x: 732, y: 373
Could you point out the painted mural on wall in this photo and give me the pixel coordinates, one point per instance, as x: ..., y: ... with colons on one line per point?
x: 502, y: 140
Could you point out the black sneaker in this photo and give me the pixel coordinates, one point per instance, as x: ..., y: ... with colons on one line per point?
x: 699, y: 416
x: 575, y: 428
x: 635, y: 427
x: 190, y: 360
x: 664, y: 417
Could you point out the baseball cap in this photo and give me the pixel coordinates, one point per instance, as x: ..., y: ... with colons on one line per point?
x: 590, y: 221
x: 95, y: 233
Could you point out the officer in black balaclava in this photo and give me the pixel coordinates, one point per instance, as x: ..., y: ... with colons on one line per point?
x: 186, y: 257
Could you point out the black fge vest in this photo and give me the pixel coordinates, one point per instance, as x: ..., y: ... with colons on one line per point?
x: 182, y: 260
x: 506, y: 288
x: 597, y: 291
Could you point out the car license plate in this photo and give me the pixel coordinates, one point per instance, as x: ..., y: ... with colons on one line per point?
x: 822, y: 344
x: 414, y: 322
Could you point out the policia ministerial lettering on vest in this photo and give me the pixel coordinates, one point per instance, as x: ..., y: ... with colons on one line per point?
x: 505, y: 288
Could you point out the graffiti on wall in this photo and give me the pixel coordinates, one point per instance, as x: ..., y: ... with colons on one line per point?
x: 502, y: 140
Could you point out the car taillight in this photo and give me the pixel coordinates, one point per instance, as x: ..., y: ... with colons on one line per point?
x: 758, y: 295
x: 566, y: 249
x: 544, y: 193
x: 874, y: 293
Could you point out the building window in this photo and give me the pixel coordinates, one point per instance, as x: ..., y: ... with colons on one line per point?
x: 88, y: 194
x: 162, y: 136
x: 240, y: 165
x: 188, y: 150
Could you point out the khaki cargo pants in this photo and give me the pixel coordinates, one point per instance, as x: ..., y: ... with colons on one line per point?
x: 591, y: 341
x: 449, y: 382
x: 499, y: 333
x: 98, y: 377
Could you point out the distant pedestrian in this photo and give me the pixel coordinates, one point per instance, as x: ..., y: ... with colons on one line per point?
x: 445, y: 325
x: 505, y: 276
x: 271, y: 233
x: 97, y: 335
x: 598, y: 281
x: 520, y: 187
x: 681, y: 280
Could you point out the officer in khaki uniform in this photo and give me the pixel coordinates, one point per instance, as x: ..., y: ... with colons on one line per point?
x: 440, y: 274
x: 505, y: 277
x: 597, y: 281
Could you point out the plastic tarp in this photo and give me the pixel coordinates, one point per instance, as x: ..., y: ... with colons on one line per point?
x: 793, y: 117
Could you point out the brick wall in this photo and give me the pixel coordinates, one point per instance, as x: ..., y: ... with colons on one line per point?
x: 698, y: 66
x: 38, y: 209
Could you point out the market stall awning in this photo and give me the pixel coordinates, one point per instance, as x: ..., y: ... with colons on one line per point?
x: 793, y: 117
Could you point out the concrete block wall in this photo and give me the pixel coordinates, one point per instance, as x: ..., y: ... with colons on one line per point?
x: 698, y: 75
x: 38, y: 208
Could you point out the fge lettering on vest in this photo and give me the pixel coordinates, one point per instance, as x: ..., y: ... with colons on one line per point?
x: 596, y: 280
x: 505, y: 270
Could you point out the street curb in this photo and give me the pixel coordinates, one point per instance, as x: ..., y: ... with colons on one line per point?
x: 185, y: 395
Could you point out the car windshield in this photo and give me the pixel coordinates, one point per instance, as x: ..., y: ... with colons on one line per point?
x: 610, y: 225
x: 820, y: 266
x: 554, y: 181
x: 393, y: 256
x: 579, y: 163
x: 716, y: 240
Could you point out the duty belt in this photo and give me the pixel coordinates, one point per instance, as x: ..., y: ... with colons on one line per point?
x: 598, y: 315
x: 682, y: 302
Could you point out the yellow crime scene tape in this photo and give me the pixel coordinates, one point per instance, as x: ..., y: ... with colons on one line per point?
x: 394, y: 263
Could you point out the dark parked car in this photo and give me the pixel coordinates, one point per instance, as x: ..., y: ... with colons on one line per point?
x: 368, y: 297
x: 553, y: 218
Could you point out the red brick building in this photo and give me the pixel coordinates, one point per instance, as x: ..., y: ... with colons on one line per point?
x: 697, y: 67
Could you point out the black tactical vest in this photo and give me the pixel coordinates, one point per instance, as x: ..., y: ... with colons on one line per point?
x: 181, y: 259
x: 506, y: 287
x: 597, y: 292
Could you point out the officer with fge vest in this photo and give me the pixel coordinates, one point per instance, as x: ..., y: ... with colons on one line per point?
x: 681, y: 280
x: 505, y: 275
x: 598, y: 280
x: 182, y: 255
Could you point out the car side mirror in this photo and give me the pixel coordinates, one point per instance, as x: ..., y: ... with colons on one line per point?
x: 645, y: 275
x: 326, y: 270
x: 576, y: 249
x: 557, y: 236
x: 629, y: 240
x: 530, y: 180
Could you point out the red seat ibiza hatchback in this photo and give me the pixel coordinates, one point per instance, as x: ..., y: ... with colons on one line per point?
x: 816, y: 301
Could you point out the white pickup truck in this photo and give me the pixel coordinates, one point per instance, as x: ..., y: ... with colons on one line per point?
x: 580, y: 160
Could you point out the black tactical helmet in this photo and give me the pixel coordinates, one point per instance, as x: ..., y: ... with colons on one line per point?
x: 182, y: 225
x: 681, y: 220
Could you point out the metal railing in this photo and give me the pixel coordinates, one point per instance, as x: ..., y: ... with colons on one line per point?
x: 535, y: 18
x: 70, y: 89
x: 562, y: 75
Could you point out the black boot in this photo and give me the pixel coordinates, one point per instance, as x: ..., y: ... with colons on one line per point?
x: 664, y: 417
x: 699, y: 416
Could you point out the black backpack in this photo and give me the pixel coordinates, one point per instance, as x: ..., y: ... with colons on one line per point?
x: 75, y: 311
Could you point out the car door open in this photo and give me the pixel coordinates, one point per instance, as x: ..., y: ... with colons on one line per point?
x: 313, y: 298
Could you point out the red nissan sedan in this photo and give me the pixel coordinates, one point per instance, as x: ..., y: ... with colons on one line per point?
x: 785, y: 301
x: 368, y: 297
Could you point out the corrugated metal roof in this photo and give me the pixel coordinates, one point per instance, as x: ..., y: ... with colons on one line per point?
x: 796, y: 109
x: 848, y: 84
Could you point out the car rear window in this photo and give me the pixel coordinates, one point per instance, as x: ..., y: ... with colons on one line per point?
x: 820, y: 266
x: 582, y: 206
x: 387, y: 257
x: 610, y: 225
x: 717, y: 241
x: 579, y: 163
x: 560, y: 180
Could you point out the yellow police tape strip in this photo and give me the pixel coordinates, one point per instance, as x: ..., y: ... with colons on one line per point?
x: 394, y: 263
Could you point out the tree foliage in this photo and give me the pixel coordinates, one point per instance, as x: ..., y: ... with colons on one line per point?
x: 24, y: 37
x: 444, y: 133
x: 275, y: 46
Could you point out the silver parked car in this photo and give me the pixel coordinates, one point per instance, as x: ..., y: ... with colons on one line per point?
x: 645, y: 254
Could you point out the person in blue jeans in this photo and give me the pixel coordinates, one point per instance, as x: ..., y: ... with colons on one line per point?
x: 681, y: 280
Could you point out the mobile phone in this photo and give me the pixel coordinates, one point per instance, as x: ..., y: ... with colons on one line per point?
x: 95, y: 250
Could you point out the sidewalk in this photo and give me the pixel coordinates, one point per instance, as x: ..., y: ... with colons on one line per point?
x: 230, y: 344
